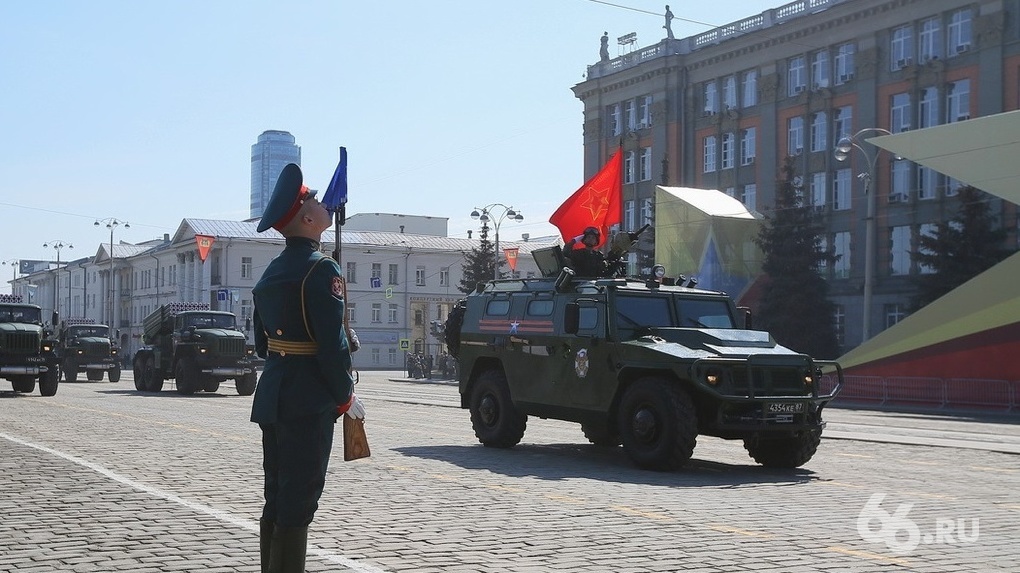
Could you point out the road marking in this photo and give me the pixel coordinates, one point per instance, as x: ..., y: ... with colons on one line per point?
x: 855, y: 456
x: 638, y: 512
x: 221, y: 515
x: 738, y: 531
x: 866, y: 555
x: 565, y: 499
x: 988, y: 469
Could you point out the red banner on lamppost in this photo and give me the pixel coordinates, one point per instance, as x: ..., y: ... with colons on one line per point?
x: 511, y: 257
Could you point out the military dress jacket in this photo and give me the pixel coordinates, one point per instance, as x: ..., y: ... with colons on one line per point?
x: 298, y: 319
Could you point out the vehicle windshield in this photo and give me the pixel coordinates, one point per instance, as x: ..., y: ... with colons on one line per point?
x: 79, y: 331
x: 704, y: 313
x: 209, y: 321
x: 23, y: 314
x: 639, y: 315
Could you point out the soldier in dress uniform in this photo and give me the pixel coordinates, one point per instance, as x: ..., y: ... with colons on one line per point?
x: 307, y: 382
x: 586, y: 261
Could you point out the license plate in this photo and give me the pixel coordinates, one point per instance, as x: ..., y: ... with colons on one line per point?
x: 785, y: 407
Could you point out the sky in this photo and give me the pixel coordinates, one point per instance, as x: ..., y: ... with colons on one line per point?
x: 145, y: 112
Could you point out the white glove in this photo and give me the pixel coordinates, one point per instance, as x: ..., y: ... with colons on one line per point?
x: 356, y: 410
x: 578, y: 238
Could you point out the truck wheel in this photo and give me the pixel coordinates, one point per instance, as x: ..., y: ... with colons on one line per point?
x: 48, y: 382
x: 186, y: 377
x: 114, y: 374
x: 211, y: 385
x: 496, y: 421
x: 153, y: 378
x: 787, y: 452
x: 601, y: 435
x: 23, y: 384
x: 246, y: 384
x: 138, y: 373
x: 657, y: 424
x: 70, y: 372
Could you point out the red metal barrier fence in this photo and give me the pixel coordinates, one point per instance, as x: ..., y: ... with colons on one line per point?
x: 929, y: 393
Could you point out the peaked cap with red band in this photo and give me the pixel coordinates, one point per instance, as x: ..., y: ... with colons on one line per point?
x: 286, y: 200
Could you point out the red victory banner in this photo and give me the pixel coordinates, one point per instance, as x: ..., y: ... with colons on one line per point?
x: 511, y: 257
x: 595, y: 204
x: 204, y: 243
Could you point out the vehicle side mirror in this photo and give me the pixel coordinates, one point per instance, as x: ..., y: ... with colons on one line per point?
x: 247, y: 324
x: 55, y: 319
x: 571, y: 317
x: 748, y: 323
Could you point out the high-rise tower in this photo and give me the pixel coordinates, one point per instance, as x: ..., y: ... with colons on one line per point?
x: 269, y: 155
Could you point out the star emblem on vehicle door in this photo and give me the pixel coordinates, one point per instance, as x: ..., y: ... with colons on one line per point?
x: 513, y: 326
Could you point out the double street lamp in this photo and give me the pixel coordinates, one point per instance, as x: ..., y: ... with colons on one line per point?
x: 57, y: 246
x: 111, y: 224
x: 488, y: 214
x: 14, y: 271
x: 843, y: 149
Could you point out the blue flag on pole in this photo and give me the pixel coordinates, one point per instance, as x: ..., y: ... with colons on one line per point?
x: 336, y: 193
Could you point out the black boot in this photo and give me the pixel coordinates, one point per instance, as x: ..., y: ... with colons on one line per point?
x: 287, y: 553
x: 266, y: 528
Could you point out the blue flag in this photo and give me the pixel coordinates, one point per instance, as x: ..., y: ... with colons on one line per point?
x: 336, y: 193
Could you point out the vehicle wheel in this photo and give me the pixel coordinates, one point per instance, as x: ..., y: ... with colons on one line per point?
x: 211, y: 385
x: 23, y: 384
x: 496, y: 421
x: 94, y: 375
x: 187, y: 378
x: 70, y: 372
x: 601, y: 435
x: 114, y: 374
x: 138, y: 371
x: 246, y: 384
x: 657, y: 424
x: 48, y: 382
x: 153, y: 377
x: 787, y: 452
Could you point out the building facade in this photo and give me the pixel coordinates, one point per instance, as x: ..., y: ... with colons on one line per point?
x: 269, y: 155
x: 724, y: 109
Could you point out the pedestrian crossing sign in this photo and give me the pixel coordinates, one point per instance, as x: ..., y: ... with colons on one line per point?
x: 405, y: 343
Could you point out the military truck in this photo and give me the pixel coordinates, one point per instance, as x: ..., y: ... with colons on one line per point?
x: 635, y: 361
x: 197, y: 347
x: 86, y: 346
x: 27, y: 348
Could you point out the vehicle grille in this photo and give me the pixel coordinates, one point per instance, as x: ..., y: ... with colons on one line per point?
x: 97, y: 349
x: 230, y: 347
x: 770, y: 381
x: 19, y: 342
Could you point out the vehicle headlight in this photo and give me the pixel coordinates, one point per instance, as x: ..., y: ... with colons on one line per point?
x: 47, y: 347
x: 81, y: 351
x: 202, y: 350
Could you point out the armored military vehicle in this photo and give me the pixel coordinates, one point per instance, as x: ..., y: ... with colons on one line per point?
x: 26, y: 347
x: 84, y: 346
x: 637, y: 362
x: 197, y: 347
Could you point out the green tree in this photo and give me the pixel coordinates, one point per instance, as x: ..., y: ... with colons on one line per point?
x: 794, y: 306
x: 478, y: 263
x: 960, y: 249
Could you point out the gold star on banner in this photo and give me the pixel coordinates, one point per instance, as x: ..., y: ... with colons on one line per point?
x: 596, y: 202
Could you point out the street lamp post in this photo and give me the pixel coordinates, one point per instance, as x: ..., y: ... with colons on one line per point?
x: 57, y: 246
x: 842, y: 153
x: 14, y: 271
x: 486, y: 214
x: 111, y: 224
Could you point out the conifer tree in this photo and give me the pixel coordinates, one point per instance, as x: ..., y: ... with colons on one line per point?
x: 794, y: 306
x: 478, y: 263
x: 960, y: 249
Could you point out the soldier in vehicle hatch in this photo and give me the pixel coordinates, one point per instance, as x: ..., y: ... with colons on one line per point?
x: 587, y: 261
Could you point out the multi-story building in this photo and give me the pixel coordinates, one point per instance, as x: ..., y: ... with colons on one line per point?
x: 273, y: 151
x: 398, y: 283
x: 724, y: 109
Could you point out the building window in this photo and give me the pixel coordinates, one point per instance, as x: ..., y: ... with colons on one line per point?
x: 926, y: 230
x: 818, y: 190
x: 646, y: 211
x: 628, y: 167
x: 823, y: 246
x: 391, y: 313
x: 928, y: 108
x: 899, y: 189
x: 902, y: 48
x: 841, y: 250
x: 709, y: 154
x: 930, y: 41
x: 844, y: 64
x: 730, y: 92
x: 728, y: 150
x: 352, y: 312
x: 377, y: 270
x: 393, y: 275
x: 645, y: 164
x: 927, y: 181
x: 899, y: 112
x: 819, y: 131
x: 842, y: 123
x: 750, y: 88
x: 899, y: 250
x: 352, y: 272
x: 392, y: 355
x: 613, y: 118
x: 376, y: 352
x: 795, y: 80
x: 444, y: 276
x: 629, y: 117
x: 893, y: 314
x: 747, y: 146
x: 953, y: 187
x: 959, y: 32
x: 376, y: 312
x: 749, y: 197
x: 820, y: 70
x: 419, y: 275
x: 644, y: 111
x: 628, y: 214
x: 841, y: 190
x: 245, y: 267
x: 711, y: 98
x: 795, y: 135
x: 958, y: 101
